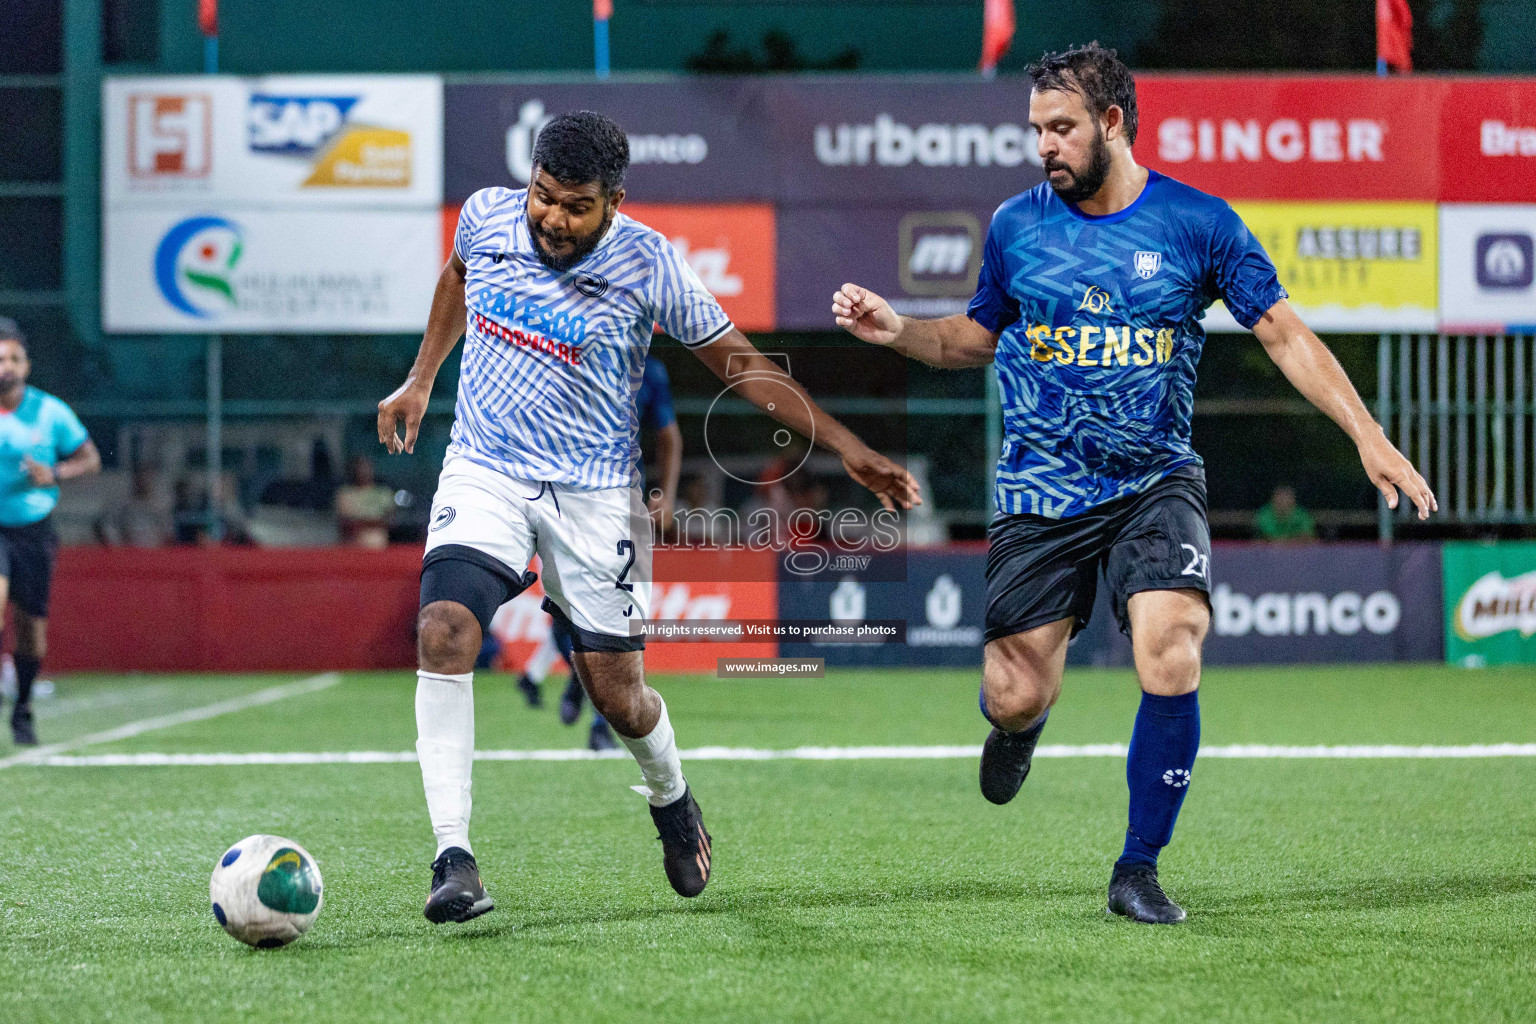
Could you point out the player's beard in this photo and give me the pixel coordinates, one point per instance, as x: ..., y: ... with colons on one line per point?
x: 584, y: 244
x: 1083, y: 183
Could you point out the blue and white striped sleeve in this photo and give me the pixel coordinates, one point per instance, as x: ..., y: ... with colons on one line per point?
x: 681, y: 305
x: 470, y: 216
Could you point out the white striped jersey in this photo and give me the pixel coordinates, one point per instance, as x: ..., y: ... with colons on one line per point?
x: 552, y: 360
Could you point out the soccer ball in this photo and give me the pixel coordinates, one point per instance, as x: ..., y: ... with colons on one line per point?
x: 266, y: 891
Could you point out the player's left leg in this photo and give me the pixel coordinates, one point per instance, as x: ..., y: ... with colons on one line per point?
x: 595, y: 547
x: 31, y: 551
x: 1157, y: 571
x: 535, y: 669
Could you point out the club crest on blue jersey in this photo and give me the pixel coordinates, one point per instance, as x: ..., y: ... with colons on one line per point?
x: 1147, y: 264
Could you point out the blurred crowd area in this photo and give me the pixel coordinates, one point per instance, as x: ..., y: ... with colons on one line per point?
x: 348, y: 501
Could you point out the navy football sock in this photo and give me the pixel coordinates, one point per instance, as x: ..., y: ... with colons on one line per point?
x: 1157, y: 770
x: 26, y: 672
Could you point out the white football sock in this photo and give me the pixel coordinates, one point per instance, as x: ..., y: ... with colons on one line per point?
x: 662, y: 769
x: 542, y: 659
x: 445, y: 746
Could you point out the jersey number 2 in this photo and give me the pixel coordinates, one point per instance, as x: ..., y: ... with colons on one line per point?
x: 1198, y: 562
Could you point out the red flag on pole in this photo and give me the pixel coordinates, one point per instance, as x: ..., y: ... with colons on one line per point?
x: 1394, y: 35
x: 602, y: 10
x: 208, y: 17
x: 996, y: 33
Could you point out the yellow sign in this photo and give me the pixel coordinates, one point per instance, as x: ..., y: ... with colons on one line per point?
x: 365, y: 157
x: 1350, y: 266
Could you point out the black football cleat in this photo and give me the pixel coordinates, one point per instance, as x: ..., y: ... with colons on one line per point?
x: 22, y: 732
x: 685, y: 849
x: 1134, y: 893
x: 530, y: 690
x: 571, y: 700
x: 1005, y: 759
x: 457, y: 894
x: 601, y: 736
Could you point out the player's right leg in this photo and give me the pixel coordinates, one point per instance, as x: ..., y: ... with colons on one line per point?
x: 1020, y: 681
x: 1041, y: 581
x: 595, y: 547
x: 477, y: 551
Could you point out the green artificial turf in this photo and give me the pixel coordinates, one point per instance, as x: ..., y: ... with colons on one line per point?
x: 1318, y: 890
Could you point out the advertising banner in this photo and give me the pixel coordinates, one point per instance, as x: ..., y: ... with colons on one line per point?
x: 942, y: 601
x: 690, y: 140
x: 924, y: 261
x: 194, y: 271
x: 1490, y: 603
x: 1488, y: 268
x: 870, y: 142
x: 1274, y: 137
x: 309, y: 140
x: 689, y: 587
x: 731, y: 246
x: 1487, y: 141
x: 1349, y: 266
x: 1290, y: 604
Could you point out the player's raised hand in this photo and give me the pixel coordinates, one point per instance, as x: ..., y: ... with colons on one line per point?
x: 891, y: 483
x: 865, y: 315
x: 408, y: 403
x: 1389, y: 469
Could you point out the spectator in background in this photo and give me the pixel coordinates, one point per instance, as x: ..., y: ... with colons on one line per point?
x: 146, y: 519
x: 1283, y: 521
x: 194, y: 525
x: 364, y: 506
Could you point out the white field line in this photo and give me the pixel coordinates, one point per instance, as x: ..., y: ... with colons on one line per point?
x: 270, y: 695
x: 1238, y: 751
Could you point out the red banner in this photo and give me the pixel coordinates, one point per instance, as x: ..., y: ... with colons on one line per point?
x: 1323, y: 137
x: 1488, y: 141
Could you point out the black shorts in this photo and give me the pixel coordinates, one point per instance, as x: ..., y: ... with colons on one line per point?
x: 1043, y: 570
x: 26, y: 560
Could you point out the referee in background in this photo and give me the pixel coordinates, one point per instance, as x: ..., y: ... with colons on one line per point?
x: 41, y: 442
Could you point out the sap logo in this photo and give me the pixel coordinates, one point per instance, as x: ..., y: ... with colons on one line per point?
x: 1325, y: 140
x: 298, y: 125
x: 1500, y: 139
x: 939, y: 253
x: 170, y: 136
x: 1298, y: 614
x: 713, y: 267
x: 889, y: 143
x: 1504, y: 261
x: 690, y: 148
x: 1096, y: 300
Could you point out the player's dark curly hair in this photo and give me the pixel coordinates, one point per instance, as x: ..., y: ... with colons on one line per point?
x: 1095, y: 73
x: 583, y: 147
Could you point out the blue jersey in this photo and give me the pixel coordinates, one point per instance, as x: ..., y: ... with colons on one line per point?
x: 653, y: 402
x: 1100, y: 334
x: 46, y: 430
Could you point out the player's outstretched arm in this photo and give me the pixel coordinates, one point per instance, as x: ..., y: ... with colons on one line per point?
x: 445, y: 325
x: 1311, y: 367
x: 953, y: 342
x: 734, y: 360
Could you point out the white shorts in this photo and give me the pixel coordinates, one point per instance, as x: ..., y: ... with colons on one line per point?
x: 594, y: 545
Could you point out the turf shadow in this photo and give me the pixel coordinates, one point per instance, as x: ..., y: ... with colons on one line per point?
x: 1381, y: 893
